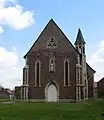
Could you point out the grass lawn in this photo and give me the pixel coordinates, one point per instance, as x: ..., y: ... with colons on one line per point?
x: 52, y: 111
x: 4, y: 100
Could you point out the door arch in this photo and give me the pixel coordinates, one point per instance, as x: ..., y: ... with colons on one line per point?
x: 51, y: 92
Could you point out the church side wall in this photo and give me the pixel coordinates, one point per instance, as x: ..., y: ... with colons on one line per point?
x: 90, y: 77
x: 90, y: 87
x: 100, y: 88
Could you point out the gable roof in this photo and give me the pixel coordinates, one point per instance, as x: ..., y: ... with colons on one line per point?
x: 90, y: 68
x: 102, y: 79
x: 79, y: 38
x: 49, y: 24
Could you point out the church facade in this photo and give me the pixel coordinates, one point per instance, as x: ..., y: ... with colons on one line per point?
x: 55, y: 70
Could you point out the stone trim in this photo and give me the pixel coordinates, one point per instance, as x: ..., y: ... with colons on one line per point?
x: 24, y: 87
x: 26, y: 74
x: 84, y: 75
x: 83, y: 72
x: 52, y: 43
x: 46, y: 89
x: 24, y: 92
x: 78, y: 79
x: 80, y: 85
x: 78, y: 65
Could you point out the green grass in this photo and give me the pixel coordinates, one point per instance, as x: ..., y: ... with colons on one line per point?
x: 52, y: 111
x: 4, y: 100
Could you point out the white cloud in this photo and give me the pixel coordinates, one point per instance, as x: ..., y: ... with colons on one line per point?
x: 97, y: 61
x: 1, y: 30
x: 13, y: 15
x: 10, y: 68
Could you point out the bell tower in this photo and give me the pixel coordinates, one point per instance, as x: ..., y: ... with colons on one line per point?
x: 81, y: 71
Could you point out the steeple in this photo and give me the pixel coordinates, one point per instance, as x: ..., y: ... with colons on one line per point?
x: 79, y: 39
x: 81, y: 70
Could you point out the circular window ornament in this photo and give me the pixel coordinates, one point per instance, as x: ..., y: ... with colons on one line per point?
x: 51, y: 43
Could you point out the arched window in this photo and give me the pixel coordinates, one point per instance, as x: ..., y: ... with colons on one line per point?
x: 25, y: 74
x: 24, y: 89
x: 66, y: 73
x: 37, y: 73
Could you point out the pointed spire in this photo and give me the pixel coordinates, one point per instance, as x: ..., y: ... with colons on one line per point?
x: 79, y: 38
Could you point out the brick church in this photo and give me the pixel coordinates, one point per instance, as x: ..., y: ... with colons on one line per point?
x: 55, y: 70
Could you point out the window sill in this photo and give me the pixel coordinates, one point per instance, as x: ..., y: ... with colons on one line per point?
x: 79, y: 84
x: 37, y: 86
x: 51, y: 71
x: 78, y: 65
x: 67, y: 86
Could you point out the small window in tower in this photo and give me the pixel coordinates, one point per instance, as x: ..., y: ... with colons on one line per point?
x: 80, y: 51
x: 83, y: 49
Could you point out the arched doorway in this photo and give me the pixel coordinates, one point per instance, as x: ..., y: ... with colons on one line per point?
x: 51, y: 92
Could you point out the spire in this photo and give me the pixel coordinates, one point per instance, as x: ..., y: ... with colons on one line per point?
x: 79, y: 38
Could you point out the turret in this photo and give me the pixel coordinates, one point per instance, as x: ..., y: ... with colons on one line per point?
x: 80, y: 43
x: 81, y: 71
